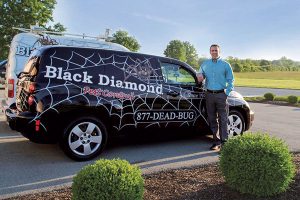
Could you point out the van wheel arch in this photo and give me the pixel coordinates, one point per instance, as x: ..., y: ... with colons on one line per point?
x: 78, y: 132
x: 98, y: 113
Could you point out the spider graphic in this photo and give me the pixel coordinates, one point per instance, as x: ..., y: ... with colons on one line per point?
x: 142, y: 70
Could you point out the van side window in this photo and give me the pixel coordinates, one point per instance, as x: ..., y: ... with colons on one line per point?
x: 176, y: 74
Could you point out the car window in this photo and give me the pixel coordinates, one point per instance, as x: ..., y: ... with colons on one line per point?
x: 176, y: 74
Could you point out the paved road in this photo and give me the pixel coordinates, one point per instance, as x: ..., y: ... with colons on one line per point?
x: 248, y: 91
x: 279, y: 121
x: 26, y: 166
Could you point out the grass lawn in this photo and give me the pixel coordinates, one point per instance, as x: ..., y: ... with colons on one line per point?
x: 288, y: 80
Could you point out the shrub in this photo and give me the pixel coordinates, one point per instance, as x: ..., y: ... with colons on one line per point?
x: 254, y: 98
x: 250, y: 98
x: 259, y: 98
x: 281, y: 98
x: 269, y: 96
x: 257, y: 164
x: 293, y: 99
x: 108, y: 179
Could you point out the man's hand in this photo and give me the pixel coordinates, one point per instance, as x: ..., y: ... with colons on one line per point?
x: 200, y: 77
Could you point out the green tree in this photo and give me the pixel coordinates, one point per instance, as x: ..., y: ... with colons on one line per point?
x: 264, y: 62
x: 58, y: 27
x: 200, y: 61
x: 123, y: 38
x: 21, y: 14
x: 235, y: 64
x: 250, y: 65
x: 176, y: 49
x: 191, y: 55
x: 237, y: 67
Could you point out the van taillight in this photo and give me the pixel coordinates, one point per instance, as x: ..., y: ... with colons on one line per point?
x: 10, y: 88
x: 30, y: 100
x: 37, y: 125
x: 31, y: 88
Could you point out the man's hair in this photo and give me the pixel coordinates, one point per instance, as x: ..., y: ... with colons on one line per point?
x: 214, y: 45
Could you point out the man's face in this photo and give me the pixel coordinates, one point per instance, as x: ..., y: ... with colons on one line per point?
x: 214, y: 52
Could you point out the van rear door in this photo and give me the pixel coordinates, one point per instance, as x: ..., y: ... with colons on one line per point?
x: 26, y: 87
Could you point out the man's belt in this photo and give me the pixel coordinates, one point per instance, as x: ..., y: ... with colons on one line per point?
x: 215, y: 91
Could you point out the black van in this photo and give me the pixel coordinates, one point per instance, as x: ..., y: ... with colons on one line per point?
x: 79, y: 96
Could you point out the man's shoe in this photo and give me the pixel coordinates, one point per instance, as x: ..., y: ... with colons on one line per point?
x: 220, y: 149
x: 215, y: 147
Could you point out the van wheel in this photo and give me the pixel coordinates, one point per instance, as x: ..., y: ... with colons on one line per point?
x: 236, y: 123
x: 84, y: 138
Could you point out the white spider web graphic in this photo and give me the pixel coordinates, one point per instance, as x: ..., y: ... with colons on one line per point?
x: 122, y: 110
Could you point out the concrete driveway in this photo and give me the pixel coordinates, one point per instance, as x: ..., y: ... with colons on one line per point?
x: 28, y: 166
x: 251, y: 91
x: 279, y: 121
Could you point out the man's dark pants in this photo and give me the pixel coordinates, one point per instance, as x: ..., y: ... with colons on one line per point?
x: 217, y: 110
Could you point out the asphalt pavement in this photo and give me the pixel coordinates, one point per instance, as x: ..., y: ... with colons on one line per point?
x: 250, y: 91
x: 27, y: 167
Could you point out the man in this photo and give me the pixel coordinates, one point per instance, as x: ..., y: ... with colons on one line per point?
x: 218, y: 77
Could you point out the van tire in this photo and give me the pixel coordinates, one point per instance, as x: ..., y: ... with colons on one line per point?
x: 236, y: 123
x: 81, y: 144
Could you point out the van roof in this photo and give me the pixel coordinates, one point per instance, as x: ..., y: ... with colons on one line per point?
x: 69, y: 41
x: 33, y: 40
x: 166, y: 59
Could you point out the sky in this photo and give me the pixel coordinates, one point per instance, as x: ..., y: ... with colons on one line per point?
x: 257, y: 29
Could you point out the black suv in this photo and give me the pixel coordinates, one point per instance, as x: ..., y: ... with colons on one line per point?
x: 79, y: 96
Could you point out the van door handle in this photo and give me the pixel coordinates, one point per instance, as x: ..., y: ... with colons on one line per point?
x: 173, y: 93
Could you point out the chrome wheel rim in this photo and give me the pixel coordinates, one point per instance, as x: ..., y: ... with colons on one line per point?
x: 85, y: 138
x: 235, y: 125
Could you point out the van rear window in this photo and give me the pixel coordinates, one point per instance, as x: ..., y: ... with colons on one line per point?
x: 31, y: 66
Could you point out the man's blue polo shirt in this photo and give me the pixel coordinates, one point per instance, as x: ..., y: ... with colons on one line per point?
x: 218, y: 75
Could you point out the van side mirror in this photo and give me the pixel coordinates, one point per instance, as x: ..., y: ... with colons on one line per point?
x: 200, y: 78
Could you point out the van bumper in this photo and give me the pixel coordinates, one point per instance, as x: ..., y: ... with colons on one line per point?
x: 10, y: 118
x: 29, y: 126
x: 4, y: 105
x: 250, y: 119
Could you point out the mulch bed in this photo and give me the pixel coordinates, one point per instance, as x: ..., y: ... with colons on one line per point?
x: 204, y: 182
